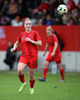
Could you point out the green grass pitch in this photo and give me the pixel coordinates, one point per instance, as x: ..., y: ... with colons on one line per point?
x: 52, y: 89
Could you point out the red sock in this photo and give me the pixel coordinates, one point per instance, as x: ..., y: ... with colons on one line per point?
x: 45, y: 72
x: 21, y: 77
x: 32, y: 83
x: 62, y: 73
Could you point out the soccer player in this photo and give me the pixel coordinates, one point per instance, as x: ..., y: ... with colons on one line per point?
x: 54, y: 54
x: 29, y: 57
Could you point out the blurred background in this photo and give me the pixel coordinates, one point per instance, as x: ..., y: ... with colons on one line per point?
x: 42, y: 13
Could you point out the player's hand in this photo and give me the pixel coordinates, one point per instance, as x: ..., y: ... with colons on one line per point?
x: 27, y: 39
x: 44, y: 53
x: 12, y: 50
x: 52, y: 54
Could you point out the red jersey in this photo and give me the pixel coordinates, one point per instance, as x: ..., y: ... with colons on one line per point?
x: 28, y: 48
x: 51, y: 42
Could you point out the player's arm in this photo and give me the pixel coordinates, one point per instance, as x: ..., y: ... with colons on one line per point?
x: 55, y: 47
x: 46, y: 47
x: 39, y: 43
x: 15, y: 46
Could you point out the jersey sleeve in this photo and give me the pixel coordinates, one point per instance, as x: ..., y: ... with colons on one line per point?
x: 55, y: 38
x: 38, y: 36
x: 19, y: 38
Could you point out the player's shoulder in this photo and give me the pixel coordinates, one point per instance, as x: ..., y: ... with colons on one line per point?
x: 47, y: 37
x: 54, y: 36
x: 34, y: 31
x: 22, y: 33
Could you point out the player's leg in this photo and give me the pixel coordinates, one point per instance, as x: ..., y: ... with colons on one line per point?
x: 32, y: 80
x: 33, y: 63
x: 61, y: 72
x: 21, y: 67
x: 57, y: 58
x: 45, y: 69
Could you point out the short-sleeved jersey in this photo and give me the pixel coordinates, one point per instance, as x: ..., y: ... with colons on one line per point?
x: 51, y: 42
x: 28, y: 48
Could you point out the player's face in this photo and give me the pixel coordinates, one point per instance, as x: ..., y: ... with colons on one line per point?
x: 27, y: 25
x: 49, y: 33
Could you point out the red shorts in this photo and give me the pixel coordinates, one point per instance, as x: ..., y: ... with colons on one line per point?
x: 56, y: 58
x: 31, y: 62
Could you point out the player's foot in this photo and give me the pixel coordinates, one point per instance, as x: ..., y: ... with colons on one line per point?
x: 31, y: 91
x: 62, y: 80
x: 22, y: 87
x: 42, y: 79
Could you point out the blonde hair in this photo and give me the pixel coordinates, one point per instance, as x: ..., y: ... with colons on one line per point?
x: 49, y: 28
x: 27, y: 19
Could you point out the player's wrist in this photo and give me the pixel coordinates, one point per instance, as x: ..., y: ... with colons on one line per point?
x: 53, y: 53
x: 14, y: 48
x: 32, y: 41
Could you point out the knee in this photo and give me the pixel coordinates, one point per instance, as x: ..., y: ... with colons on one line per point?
x: 59, y: 66
x: 19, y: 71
x: 45, y: 65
